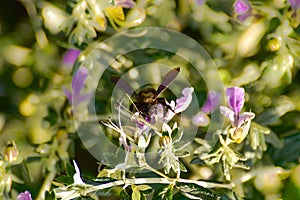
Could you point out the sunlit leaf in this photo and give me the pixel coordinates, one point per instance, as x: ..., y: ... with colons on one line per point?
x: 194, y: 191
x: 164, y: 193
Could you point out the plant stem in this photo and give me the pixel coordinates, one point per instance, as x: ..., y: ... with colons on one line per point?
x: 47, y: 183
x: 157, y: 172
x: 140, y: 181
x: 207, y: 184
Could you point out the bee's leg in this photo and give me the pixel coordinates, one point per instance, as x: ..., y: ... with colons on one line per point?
x: 133, y: 108
x: 162, y: 101
x: 142, y: 108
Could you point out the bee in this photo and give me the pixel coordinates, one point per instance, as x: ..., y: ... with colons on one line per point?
x: 147, y: 97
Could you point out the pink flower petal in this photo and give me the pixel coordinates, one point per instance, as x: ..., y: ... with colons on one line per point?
x: 245, y: 116
x: 125, y: 3
x: 183, y: 102
x: 228, y: 113
x: 236, y: 98
x: 24, y: 196
x: 70, y: 56
x: 212, y: 102
x: 201, y: 119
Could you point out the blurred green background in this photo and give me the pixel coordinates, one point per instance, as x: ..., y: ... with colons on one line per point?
x: 260, y: 53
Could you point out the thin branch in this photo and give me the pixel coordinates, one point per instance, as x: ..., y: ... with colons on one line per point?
x: 140, y: 181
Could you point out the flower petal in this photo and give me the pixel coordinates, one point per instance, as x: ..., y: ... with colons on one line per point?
x: 83, y: 97
x: 76, y: 177
x: 156, y: 112
x: 238, y: 134
x: 295, y: 4
x: 68, y: 94
x: 241, y: 6
x: 183, y: 102
x: 201, y: 119
x: 79, y: 79
x: 212, y: 102
x: 245, y: 116
x: 125, y: 3
x: 70, y: 56
x: 200, y: 2
x: 236, y: 98
x: 24, y: 196
x: 228, y: 113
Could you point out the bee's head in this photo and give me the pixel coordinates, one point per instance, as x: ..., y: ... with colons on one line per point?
x: 147, y: 95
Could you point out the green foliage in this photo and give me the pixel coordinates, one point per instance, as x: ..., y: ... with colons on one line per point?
x: 41, y: 131
x: 164, y: 193
x: 194, y: 191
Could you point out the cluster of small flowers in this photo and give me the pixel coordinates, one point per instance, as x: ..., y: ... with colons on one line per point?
x: 244, y: 9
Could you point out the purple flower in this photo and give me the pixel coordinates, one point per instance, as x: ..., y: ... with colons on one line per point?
x: 240, y: 121
x: 236, y: 98
x: 70, y: 56
x: 200, y: 119
x: 236, y: 119
x: 181, y: 104
x: 75, y: 97
x: 24, y: 196
x: 212, y: 102
x: 200, y: 2
x: 125, y: 3
x: 295, y: 4
x: 156, y: 112
x: 242, y: 8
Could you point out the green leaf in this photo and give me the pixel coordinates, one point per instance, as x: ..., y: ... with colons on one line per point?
x: 124, y: 195
x: 273, y: 139
x: 290, y: 152
x: 52, y: 116
x: 195, y: 191
x: 25, y: 171
x: 136, y: 195
x: 49, y: 195
x: 86, y: 198
x: 97, y: 181
x: 113, y: 160
x: 112, y: 2
x: 70, y: 170
x: 242, y: 165
x: 144, y: 187
x: 164, y: 193
x: 216, y: 148
x: 291, y: 191
x: 198, y: 161
x: 67, y: 180
x: 182, y: 167
x: 175, y: 135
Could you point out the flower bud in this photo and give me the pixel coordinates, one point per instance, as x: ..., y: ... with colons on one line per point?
x: 54, y: 18
x: 164, y: 141
x: 274, y: 44
x: 11, y: 152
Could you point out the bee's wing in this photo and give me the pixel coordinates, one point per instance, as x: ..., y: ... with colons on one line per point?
x: 167, y: 80
x: 123, y: 85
